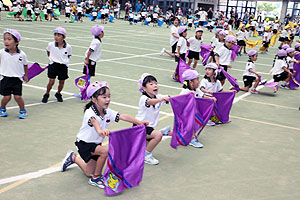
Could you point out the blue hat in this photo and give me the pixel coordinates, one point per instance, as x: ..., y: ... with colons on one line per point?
x: 190, y: 16
x: 155, y: 11
x: 161, y: 15
x: 144, y: 9
x: 214, y: 19
x: 135, y: 13
x: 94, y: 9
x: 225, y: 20
x: 130, y: 11
x: 209, y: 20
x: 54, y: 6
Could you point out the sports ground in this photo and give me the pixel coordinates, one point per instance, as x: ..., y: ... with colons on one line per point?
x: 256, y: 156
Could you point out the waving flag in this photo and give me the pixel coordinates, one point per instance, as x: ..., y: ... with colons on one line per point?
x: 11, y: 14
x: 252, y: 44
x: 125, y: 162
x: 255, y: 33
x: 56, y: 12
x: 160, y: 23
x: 180, y: 68
x: 222, y: 106
x: 234, y: 49
x: 205, y: 48
x: 203, y: 110
x: 99, y: 15
x: 111, y: 18
x: 231, y: 79
x: 34, y: 70
x: 272, y: 85
x: 42, y: 15
x: 89, y: 16
x: 184, y: 116
x: 82, y: 83
x: 293, y: 84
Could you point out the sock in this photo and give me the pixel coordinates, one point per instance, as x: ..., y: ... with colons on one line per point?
x: 147, y: 153
x: 284, y: 83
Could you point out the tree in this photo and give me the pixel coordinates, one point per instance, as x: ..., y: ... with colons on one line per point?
x: 267, y: 7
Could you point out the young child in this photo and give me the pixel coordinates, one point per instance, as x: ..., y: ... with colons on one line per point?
x: 49, y: 10
x: 95, y: 126
x: 215, y: 39
x: 297, y: 47
x: 190, y: 22
x: 155, y: 17
x: 95, y: 14
x: 68, y: 12
x: 266, y: 39
x: 93, y: 54
x: 280, y: 69
x: 79, y: 13
x: 13, y: 69
x: 149, y: 106
x: 222, y: 56
x: 194, y: 49
x: 173, y: 39
x: 59, y: 53
x: 210, y: 84
x: 181, y: 48
x: 284, y: 36
x: 249, y: 76
x: 291, y: 60
x: 241, y: 37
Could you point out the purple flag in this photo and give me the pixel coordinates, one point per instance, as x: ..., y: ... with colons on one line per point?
x: 205, y: 48
x: 234, y: 49
x: 125, y: 163
x: 205, y: 58
x: 180, y: 68
x: 297, y: 69
x: 222, y: 106
x: 231, y: 79
x: 203, y: 110
x: 184, y: 116
x: 34, y: 70
x: 272, y: 85
x: 293, y: 83
x: 82, y: 83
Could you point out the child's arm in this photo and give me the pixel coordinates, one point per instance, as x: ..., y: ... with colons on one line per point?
x: 175, y: 35
x: 86, y: 61
x: 254, y: 72
x: 178, y: 51
x: 217, y: 59
x: 48, y: 53
x: 26, y: 73
x: 206, y: 91
x: 97, y: 127
x: 155, y: 101
x: 128, y: 118
x: 287, y: 70
x: 208, y: 97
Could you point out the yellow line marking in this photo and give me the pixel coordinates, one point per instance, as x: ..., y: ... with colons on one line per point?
x: 270, y: 104
x: 267, y: 123
x: 11, y: 186
x: 164, y: 117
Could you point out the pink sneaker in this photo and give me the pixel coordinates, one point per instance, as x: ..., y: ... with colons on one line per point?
x: 254, y: 91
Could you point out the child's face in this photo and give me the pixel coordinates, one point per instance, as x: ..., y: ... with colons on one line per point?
x: 194, y: 83
x: 151, y: 88
x: 209, y: 72
x: 229, y: 44
x: 199, y: 34
x: 184, y: 34
x: 103, y: 100
x: 9, y: 42
x: 254, y: 58
x: 101, y: 35
x: 59, y: 38
x: 221, y: 37
x: 176, y: 22
x: 292, y: 54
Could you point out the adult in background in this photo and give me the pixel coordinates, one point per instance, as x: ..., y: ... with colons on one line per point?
x: 138, y: 6
x: 128, y: 7
x: 210, y: 13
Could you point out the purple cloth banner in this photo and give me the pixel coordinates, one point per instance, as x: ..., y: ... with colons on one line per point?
x: 223, y: 106
x: 125, y: 162
x: 205, y: 58
x: 180, y: 68
x: 234, y: 49
x: 203, y: 111
x: 297, y: 69
x: 293, y: 84
x: 272, y: 85
x: 34, y: 70
x: 82, y: 83
x: 184, y: 116
x: 231, y: 79
x: 205, y: 48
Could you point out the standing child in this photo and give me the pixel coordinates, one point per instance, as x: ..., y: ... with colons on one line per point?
x: 241, y: 37
x: 266, y: 39
x: 291, y: 60
x: 149, y: 106
x: 280, y: 69
x: 249, y: 76
x: 93, y: 54
x: 49, y: 10
x: 95, y: 124
x: 95, y: 14
x: 284, y: 36
x: 173, y: 38
x: 79, y: 13
x: 68, y: 12
x: 194, y: 49
x: 155, y: 17
x: 59, y: 53
x: 13, y: 69
x: 181, y: 48
x: 130, y: 17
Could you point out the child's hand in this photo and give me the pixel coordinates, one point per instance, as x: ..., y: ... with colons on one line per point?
x: 165, y: 99
x: 178, y: 55
x: 229, y: 66
x: 214, y: 98
x: 258, y: 75
x: 297, y: 62
x: 104, y: 132
x: 25, y: 79
x: 210, y: 92
x: 145, y: 123
x: 86, y: 62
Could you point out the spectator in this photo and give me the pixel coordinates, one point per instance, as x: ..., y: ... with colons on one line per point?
x: 138, y: 6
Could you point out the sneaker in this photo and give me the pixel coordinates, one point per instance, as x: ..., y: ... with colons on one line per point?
x: 283, y: 86
x: 196, y: 143
x: 3, y: 112
x: 150, y: 160
x: 59, y: 97
x: 67, y: 161
x: 22, y: 114
x: 45, y: 98
x: 162, y: 51
x: 210, y: 123
x: 253, y: 91
x: 239, y: 54
x: 98, y: 182
x: 165, y: 131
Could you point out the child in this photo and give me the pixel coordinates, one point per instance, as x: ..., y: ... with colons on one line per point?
x: 37, y: 12
x: 194, y: 49
x: 68, y: 12
x: 284, y: 36
x: 210, y: 84
x: 249, y: 76
x: 13, y: 69
x: 95, y: 14
x: 130, y: 17
x: 155, y: 17
x: 95, y: 124
x: 106, y: 13
x: 291, y: 60
x: 49, y: 10
x: 79, y: 13
x: 143, y: 16
x: 181, y: 48
x: 297, y: 47
x: 136, y: 18
x: 93, y: 54
x: 215, y: 39
x: 241, y: 37
x: 266, y: 39
x: 173, y: 39
x: 59, y: 53
x: 149, y: 106
x: 190, y: 22
x: 280, y: 69
x: 223, y: 56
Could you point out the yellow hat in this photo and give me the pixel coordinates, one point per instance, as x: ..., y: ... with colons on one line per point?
x: 247, y: 26
x: 287, y: 26
x: 267, y: 19
x: 241, y: 26
x: 276, y: 21
x: 255, y: 19
x: 295, y: 24
x: 267, y: 28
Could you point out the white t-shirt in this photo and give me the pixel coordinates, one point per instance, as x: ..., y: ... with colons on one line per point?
x: 59, y: 55
x: 208, y: 85
x: 278, y: 66
x: 267, y: 36
x: 241, y: 35
x: 87, y: 132
x: 182, y: 44
x: 149, y: 113
x: 203, y: 15
x: 249, y: 65
x: 224, y: 55
x: 195, y: 44
x: 79, y: 9
x: 95, y: 46
x: 49, y: 6
x: 214, y: 41
x: 29, y: 7
x: 68, y: 9
x: 284, y: 34
x: 275, y: 26
x: 198, y: 93
x: 290, y: 64
x: 155, y: 15
x: 173, y: 40
x: 12, y: 65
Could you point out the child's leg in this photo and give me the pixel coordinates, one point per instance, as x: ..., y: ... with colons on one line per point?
x: 50, y: 84
x: 256, y: 83
x: 245, y: 89
x: 170, y: 53
x: 195, y: 63
x: 5, y: 101
x: 102, y: 153
x: 155, y: 138
x: 190, y: 61
x: 60, y: 86
x: 19, y: 101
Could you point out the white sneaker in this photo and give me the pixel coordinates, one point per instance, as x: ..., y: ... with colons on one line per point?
x: 210, y: 123
x: 150, y: 160
x: 162, y: 51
